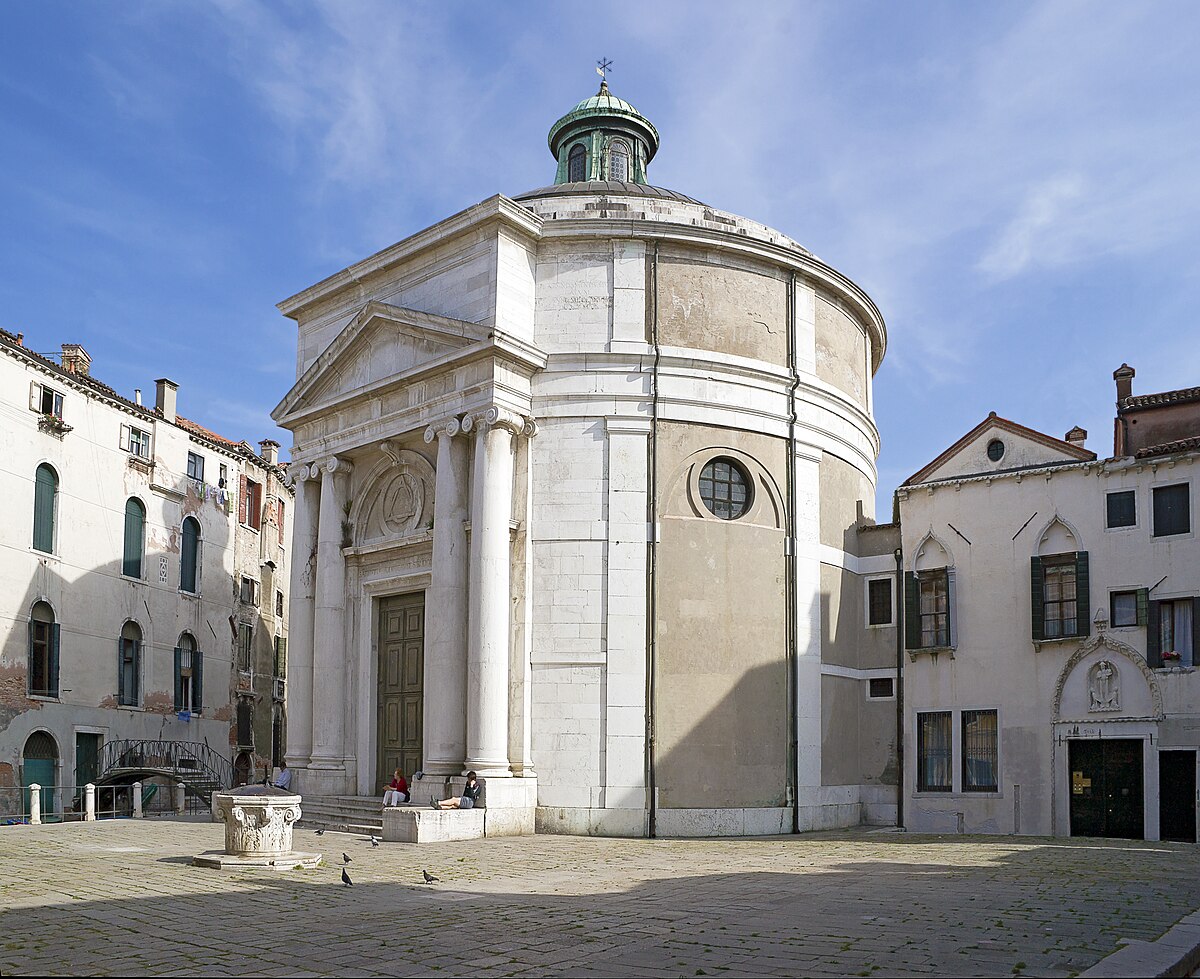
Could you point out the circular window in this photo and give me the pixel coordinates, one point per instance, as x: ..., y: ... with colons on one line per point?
x: 725, y: 489
x: 995, y: 450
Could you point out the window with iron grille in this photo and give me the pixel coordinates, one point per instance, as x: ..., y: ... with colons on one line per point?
x: 189, y: 663
x: 618, y: 161
x: 1171, y: 510
x: 881, y: 688
x: 725, y: 489
x: 577, y: 164
x: 980, y: 754
x: 935, y: 754
x: 245, y: 647
x: 129, y: 665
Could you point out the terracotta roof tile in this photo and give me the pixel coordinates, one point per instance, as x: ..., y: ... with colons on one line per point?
x: 1191, y: 444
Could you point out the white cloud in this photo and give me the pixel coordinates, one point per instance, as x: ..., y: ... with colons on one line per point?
x: 1036, y: 228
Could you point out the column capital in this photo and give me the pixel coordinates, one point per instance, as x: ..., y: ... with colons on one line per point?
x: 296, y: 473
x: 336, y: 466
x: 497, y: 417
x: 448, y: 427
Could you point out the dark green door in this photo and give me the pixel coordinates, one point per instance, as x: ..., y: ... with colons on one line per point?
x: 1106, y: 788
x: 87, y: 763
x: 401, y: 686
x: 1177, y: 796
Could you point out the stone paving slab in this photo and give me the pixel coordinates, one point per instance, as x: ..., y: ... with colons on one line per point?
x: 119, y: 898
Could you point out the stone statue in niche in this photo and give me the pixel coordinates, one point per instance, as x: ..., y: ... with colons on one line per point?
x: 1104, y: 690
x: 403, y: 502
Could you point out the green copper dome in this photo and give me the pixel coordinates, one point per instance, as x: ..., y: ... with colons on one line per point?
x: 603, y: 138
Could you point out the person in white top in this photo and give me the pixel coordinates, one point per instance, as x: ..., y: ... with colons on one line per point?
x: 284, y: 779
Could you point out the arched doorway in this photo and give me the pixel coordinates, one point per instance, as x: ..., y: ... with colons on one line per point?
x: 38, y: 767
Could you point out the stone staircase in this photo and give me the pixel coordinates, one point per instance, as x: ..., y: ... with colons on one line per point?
x: 343, y: 813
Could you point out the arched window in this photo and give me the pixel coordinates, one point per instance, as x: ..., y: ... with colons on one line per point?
x: 129, y: 665
x: 135, y: 525
x: 189, y: 557
x: 45, y: 502
x: 577, y: 164
x: 43, y: 651
x: 618, y: 161
x: 189, y: 671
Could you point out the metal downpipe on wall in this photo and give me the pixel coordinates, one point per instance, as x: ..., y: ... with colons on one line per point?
x: 790, y: 577
x: 899, y: 555
x: 651, y: 558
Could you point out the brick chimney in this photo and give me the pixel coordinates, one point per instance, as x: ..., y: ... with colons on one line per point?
x: 166, y: 392
x: 1077, y: 436
x: 1123, y: 375
x: 75, y: 359
x: 269, y: 451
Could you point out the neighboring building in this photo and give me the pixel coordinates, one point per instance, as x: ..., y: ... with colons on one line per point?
x: 1052, y: 601
x: 581, y: 476
x: 118, y: 587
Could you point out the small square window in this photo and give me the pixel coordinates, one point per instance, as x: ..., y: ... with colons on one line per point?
x: 52, y: 402
x: 1171, y: 510
x: 881, y: 688
x: 249, y: 591
x: 196, y: 467
x: 879, y: 601
x: 1122, y: 509
x: 1124, y: 608
x: 139, y: 443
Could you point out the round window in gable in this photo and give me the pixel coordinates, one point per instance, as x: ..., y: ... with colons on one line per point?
x: 995, y: 450
x: 726, y: 489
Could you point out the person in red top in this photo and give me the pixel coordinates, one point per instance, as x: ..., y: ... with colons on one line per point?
x: 397, y: 790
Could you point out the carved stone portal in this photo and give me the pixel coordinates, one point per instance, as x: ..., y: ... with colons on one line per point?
x: 1104, y: 687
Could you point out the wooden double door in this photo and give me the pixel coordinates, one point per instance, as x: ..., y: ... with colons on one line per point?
x: 1106, y: 788
x: 401, y: 686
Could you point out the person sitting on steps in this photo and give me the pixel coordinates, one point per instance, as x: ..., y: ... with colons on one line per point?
x: 465, y: 801
x: 397, y: 790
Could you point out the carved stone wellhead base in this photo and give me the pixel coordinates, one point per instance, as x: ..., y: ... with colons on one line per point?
x: 258, y: 830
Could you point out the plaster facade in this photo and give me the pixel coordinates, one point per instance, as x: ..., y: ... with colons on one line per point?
x: 550, y: 374
x: 72, y: 567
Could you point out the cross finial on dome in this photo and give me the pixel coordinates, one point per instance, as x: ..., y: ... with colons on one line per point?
x: 603, y: 67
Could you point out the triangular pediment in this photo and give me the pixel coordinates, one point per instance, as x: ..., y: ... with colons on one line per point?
x: 381, y: 342
x: 1019, y: 448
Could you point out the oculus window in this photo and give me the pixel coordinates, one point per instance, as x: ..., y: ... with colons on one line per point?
x: 995, y: 450
x: 725, y: 489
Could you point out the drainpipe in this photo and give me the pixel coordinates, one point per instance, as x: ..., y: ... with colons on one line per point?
x: 651, y: 558
x: 899, y: 555
x: 790, y: 576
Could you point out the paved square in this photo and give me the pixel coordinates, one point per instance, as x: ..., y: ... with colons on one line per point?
x: 120, y: 898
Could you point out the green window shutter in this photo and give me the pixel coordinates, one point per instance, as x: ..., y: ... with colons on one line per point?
x: 179, y: 679
x: 188, y: 556
x: 197, y: 681
x: 912, y: 611
x: 120, y: 673
x: 951, y: 607
x: 1195, y: 631
x: 44, y: 491
x: 29, y: 660
x: 54, y: 637
x: 1083, y: 595
x: 1153, y: 637
x: 1037, y: 598
x: 135, y: 520
x: 1143, y: 601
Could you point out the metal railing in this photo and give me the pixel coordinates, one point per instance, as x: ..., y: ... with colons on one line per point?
x: 35, y: 804
x: 195, y: 764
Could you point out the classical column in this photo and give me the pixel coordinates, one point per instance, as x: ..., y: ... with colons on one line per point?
x: 489, y: 625
x: 445, y: 708
x: 330, y: 661
x: 300, y: 623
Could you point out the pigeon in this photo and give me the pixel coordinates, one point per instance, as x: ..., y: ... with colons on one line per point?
x: 320, y: 832
x: 429, y: 878
x: 345, y: 858
x: 346, y: 878
x: 374, y: 841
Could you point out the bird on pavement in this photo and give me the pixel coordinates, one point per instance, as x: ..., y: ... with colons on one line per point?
x: 320, y: 832
x: 345, y: 858
x: 429, y: 878
x: 374, y: 841
x: 346, y: 878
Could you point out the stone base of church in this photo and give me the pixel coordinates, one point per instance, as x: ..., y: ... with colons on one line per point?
x: 591, y: 822
x: 323, y: 781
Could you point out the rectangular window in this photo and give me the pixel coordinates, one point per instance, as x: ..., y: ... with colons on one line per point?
x: 280, y: 658
x: 1121, y: 509
x: 934, y: 752
x: 1171, y: 511
x: 128, y: 692
x: 934, y: 608
x: 252, y: 504
x: 51, y: 402
x: 245, y: 647
x: 1123, y: 608
x: 879, y: 601
x: 139, y: 443
x: 196, y: 467
x: 979, y: 751
x: 249, y: 591
x: 881, y: 688
x: 279, y: 520
x: 1175, y: 643
x: 224, y: 476
x: 279, y: 605
x: 43, y: 658
x: 1059, y: 610
x: 184, y: 700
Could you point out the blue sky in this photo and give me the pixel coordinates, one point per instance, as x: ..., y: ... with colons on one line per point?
x: 1016, y: 185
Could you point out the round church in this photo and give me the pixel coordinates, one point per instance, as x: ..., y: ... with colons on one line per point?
x: 581, y: 477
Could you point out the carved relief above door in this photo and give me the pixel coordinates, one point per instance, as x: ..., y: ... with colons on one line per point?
x: 398, y: 498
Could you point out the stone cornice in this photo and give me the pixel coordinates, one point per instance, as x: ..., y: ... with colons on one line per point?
x: 497, y: 209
